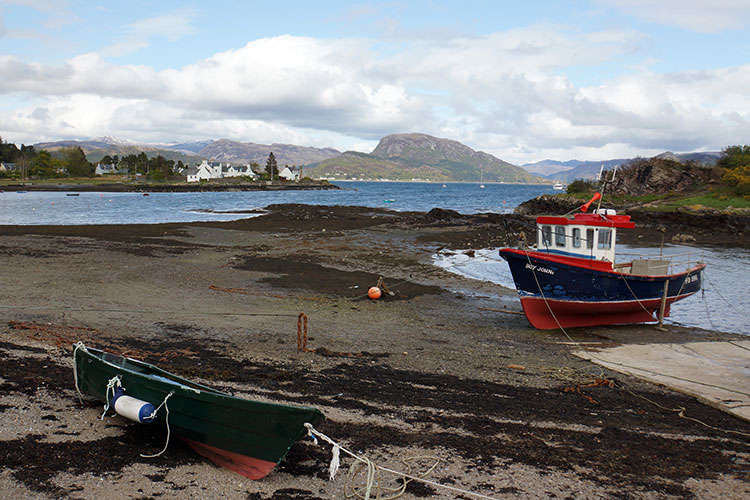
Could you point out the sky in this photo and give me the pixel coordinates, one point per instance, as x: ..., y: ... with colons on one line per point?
x: 524, y: 81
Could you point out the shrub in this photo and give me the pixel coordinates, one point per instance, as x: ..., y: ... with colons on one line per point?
x: 581, y: 186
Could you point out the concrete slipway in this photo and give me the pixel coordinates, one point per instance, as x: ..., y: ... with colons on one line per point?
x: 717, y: 373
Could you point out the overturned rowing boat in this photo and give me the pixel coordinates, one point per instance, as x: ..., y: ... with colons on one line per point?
x: 245, y: 436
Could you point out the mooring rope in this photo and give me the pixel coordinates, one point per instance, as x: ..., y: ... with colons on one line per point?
x: 719, y: 294
x: 78, y: 345
x: 166, y: 420
x: 112, y: 386
x: 373, y: 468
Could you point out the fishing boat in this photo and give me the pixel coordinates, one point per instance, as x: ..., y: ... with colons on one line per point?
x: 245, y: 436
x: 570, y: 277
x: 559, y: 186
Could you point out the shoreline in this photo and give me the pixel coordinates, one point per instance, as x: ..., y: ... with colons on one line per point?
x: 165, y: 188
x: 511, y: 412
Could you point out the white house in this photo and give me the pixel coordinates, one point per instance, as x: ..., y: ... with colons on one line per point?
x: 288, y: 175
x: 102, y: 169
x: 215, y: 170
x: 238, y: 171
x: 202, y: 172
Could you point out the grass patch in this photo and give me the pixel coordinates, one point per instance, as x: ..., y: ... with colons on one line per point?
x: 671, y: 202
x: 715, y: 201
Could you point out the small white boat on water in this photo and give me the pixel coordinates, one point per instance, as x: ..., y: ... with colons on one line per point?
x: 558, y: 186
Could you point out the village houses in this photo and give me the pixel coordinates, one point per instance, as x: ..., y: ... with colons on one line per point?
x: 216, y: 170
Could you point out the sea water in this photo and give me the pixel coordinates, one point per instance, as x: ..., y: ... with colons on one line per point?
x: 56, y: 208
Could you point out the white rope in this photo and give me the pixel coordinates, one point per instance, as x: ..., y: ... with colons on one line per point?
x: 78, y: 345
x: 166, y: 419
x: 335, y: 462
x: 372, y: 471
x: 112, y: 385
x: 549, y: 307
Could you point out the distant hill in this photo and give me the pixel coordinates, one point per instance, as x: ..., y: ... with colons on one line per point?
x: 194, y: 152
x: 546, y: 168
x: 423, y: 157
x: 96, y: 149
x: 225, y: 150
x: 571, y: 170
x: 193, y: 147
x: 356, y: 165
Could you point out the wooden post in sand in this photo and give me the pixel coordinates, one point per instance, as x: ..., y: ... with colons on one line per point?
x: 663, y: 303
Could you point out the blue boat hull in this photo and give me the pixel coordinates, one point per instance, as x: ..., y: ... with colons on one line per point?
x: 569, y: 292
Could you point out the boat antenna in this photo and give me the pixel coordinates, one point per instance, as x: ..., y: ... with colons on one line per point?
x: 604, y: 184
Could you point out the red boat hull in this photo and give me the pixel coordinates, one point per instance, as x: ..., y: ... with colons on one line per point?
x: 574, y: 314
x: 559, y: 291
x: 254, y: 468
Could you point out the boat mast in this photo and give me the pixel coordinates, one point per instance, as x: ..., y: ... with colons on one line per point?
x: 605, y: 182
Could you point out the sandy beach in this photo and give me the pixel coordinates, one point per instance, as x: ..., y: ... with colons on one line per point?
x: 442, y: 368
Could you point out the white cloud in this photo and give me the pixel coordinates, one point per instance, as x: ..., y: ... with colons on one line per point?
x: 504, y: 93
x: 302, y: 81
x: 86, y: 73
x: 695, y: 15
x: 136, y: 36
x: 58, y: 12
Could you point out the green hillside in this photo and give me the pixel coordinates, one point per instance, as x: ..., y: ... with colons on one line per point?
x: 422, y: 157
x: 353, y: 164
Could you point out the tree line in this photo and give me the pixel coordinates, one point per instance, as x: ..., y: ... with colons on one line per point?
x: 72, y: 162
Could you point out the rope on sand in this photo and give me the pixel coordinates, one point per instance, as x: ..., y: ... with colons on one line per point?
x: 372, y: 480
x: 166, y: 420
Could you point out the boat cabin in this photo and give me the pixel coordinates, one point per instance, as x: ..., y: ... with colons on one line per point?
x: 584, y: 235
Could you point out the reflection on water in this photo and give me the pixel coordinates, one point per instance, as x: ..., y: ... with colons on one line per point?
x: 719, y: 306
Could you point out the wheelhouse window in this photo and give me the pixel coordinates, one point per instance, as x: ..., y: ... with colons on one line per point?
x: 604, y: 242
x: 560, y: 236
x: 589, y: 239
x: 546, y: 236
x: 576, y: 237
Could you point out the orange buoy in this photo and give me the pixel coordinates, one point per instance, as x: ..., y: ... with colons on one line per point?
x: 374, y: 293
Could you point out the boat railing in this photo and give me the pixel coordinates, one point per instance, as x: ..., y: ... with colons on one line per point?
x: 657, y: 264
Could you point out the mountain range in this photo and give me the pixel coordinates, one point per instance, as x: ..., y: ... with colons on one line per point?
x: 422, y: 157
x: 571, y: 170
x: 397, y: 157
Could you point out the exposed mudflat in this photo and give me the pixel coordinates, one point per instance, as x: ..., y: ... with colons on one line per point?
x: 427, y: 371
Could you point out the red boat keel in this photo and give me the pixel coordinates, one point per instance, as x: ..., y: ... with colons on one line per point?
x: 569, y: 314
x: 254, y: 468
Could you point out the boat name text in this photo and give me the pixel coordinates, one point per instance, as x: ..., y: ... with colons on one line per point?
x: 545, y: 270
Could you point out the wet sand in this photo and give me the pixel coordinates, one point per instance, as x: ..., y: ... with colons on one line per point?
x: 509, y: 411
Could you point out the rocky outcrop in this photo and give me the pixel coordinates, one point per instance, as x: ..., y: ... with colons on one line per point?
x: 548, y: 204
x: 660, y: 176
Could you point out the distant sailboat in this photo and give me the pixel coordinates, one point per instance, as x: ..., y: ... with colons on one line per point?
x: 481, y: 178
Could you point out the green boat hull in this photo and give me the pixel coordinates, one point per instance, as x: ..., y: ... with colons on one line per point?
x: 248, y: 437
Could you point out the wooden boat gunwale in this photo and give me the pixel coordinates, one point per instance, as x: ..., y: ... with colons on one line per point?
x: 244, y: 435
